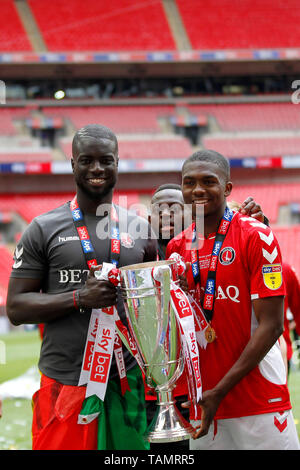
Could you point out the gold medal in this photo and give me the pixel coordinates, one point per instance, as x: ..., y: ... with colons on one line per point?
x: 210, y: 334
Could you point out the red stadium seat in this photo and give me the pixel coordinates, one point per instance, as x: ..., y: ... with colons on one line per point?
x: 251, y: 117
x: 255, y: 146
x: 289, y: 242
x: 29, y: 206
x: 117, y: 25
x: 6, y: 261
x: 12, y: 34
x: 145, y: 148
x: 121, y: 119
x: 7, y: 116
x: 269, y: 196
x: 232, y: 24
x: 3, y: 295
x: 25, y: 155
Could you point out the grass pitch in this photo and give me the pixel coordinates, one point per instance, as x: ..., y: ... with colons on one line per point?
x: 19, y: 352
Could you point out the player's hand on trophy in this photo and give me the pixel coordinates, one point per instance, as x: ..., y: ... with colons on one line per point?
x: 251, y: 208
x: 97, y: 293
x: 183, y: 279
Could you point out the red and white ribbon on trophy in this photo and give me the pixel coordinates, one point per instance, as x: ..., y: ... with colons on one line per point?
x: 102, y: 341
x: 185, y: 318
x: 201, y: 323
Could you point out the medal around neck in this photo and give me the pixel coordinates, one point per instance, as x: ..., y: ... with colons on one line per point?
x: 152, y: 322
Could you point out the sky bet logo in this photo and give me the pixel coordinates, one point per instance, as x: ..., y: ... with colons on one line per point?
x: 210, y: 288
x: 195, y: 269
x: 77, y: 214
x: 87, y: 246
x: 217, y: 248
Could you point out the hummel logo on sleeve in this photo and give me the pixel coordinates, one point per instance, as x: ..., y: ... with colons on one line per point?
x: 18, y: 261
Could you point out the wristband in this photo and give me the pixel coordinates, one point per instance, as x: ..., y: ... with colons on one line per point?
x: 76, y: 299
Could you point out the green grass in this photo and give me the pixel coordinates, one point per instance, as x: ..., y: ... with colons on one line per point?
x: 294, y: 388
x: 22, y: 352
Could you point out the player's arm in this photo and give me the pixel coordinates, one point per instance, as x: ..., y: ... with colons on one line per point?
x: 269, y: 314
x: 26, y: 304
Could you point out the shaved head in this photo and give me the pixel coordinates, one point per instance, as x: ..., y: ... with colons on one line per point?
x: 95, y: 131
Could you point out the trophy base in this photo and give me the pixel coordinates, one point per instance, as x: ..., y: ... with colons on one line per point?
x: 168, y: 425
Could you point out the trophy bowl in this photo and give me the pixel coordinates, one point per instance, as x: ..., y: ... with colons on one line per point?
x: 153, y: 327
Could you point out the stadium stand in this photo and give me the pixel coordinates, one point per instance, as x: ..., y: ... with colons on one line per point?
x: 30, y: 154
x: 231, y: 24
x: 144, y: 148
x: 289, y: 242
x: 122, y: 119
x: 240, y: 117
x: 6, y: 261
x: 270, y: 196
x: 5, y: 265
x: 7, y: 117
x: 12, y: 34
x: 29, y: 206
x: 3, y: 295
x: 117, y: 25
x: 254, y: 146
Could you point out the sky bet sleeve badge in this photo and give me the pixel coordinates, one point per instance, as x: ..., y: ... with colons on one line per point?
x: 272, y: 274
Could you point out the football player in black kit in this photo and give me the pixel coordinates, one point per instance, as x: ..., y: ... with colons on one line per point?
x: 52, y: 282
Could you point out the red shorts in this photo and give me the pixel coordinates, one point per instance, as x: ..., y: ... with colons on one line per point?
x: 55, y: 412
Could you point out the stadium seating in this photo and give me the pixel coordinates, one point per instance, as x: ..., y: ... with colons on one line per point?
x: 158, y: 149
x: 3, y: 295
x: 255, y: 146
x: 6, y: 261
x: 144, y: 148
x: 289, y: 242
x: 117, y: 25
x: 29, y: 206
x: 269, y: 196
x: 251, y: 117
x: 12, y: 34
x: 121, y: 119
x: 25, y: 155
x: 7, y: 116
x: 232, y: 24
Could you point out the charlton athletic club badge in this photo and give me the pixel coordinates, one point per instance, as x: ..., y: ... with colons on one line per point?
x: 126, y: 240
x: 272, y: 274
x: 227, y: 255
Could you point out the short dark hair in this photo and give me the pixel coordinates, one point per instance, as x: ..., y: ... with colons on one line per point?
x: 93, y: 130
x: 213, y: 157
x: 167, y: 186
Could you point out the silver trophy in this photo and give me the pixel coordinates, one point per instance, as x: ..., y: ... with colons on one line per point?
x: 152, y: 324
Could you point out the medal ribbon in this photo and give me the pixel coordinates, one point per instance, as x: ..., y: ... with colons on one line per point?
x: 210, y: 288
x: 102, y: 337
